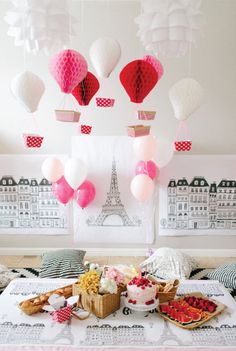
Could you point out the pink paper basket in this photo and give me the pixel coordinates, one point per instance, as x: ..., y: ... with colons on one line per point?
x: 62, y: 315
x: 33, y: 140
x: 67, y: 115
x: 183, y: 145
x: 105, y: 102
x: 85, y: 129
x: 138, y: 130
x: 146, y: 115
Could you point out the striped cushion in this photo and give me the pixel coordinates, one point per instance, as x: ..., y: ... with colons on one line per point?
x: 62, y: 264
x: 225, y: 274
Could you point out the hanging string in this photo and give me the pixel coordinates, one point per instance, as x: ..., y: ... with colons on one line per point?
x: 70, y: 25
x: 190, y: 54
x: 81, y: 17
x: 107, y: 15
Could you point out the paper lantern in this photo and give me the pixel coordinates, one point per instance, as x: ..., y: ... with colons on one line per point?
x: 155, y: 64
x: 28, y: 89
x: 185, y: 96
x: 169, y: 27
x: 138, y: 78
x: 104, y: 54
x: 68, y: 68
x: 86, y: 89
x: 37, y: 25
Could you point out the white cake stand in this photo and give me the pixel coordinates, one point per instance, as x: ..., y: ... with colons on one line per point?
x: 140, y: 308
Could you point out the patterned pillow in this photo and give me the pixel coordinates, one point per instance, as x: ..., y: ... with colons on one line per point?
x: 225, y: 274
x: 168, y: 263
x: 62, y: 264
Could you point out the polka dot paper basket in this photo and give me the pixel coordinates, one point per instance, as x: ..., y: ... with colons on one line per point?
x: 183, y: 145
x: 33, y: 140
x: 105, y: 102
x: 85, y: 129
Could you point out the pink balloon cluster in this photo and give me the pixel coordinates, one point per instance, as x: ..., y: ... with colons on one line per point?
x: 142, y: 185
x: 70, y: 182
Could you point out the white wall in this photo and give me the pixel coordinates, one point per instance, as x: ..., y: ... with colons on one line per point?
x: 212, y: 128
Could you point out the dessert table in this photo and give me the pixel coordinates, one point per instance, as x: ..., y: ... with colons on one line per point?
x: 124, y: 329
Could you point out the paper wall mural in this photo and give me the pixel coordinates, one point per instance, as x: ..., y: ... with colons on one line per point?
x: 27, y: 205
x: 114, y: 216
x: 198, y: 196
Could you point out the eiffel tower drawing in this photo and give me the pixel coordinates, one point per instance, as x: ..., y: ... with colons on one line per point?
x: 113, y: 206
x: 168, y: 338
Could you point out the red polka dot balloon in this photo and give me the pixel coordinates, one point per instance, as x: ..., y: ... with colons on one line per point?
x: 68, y: 68
x: 86, y: 89
x: 138, y: 78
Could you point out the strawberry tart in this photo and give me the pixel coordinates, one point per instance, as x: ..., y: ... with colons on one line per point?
x: 142, y: 292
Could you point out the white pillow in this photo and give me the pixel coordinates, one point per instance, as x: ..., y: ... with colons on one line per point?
x: 167, y: 263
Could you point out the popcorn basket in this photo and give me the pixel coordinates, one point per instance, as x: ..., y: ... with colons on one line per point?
x: 62, y: 315
x: 85, y: 129
x: 33, y: 140
x: 100, y: 305
x: 105, y: 102
x: 184, y: 144
x: 138, y: 130
x: 67, y: 115
x: 146, y: 115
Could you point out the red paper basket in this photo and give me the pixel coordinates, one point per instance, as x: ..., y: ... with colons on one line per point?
x: 85, y: 129
x: 105, y: 102
x: 183, y: 145
x: 33, y: 140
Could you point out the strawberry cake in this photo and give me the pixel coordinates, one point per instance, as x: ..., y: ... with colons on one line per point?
x: 141, y: 291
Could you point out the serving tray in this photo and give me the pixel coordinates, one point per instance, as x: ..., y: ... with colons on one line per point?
x: 193, y: 325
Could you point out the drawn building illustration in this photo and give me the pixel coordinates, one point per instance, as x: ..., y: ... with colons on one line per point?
x: 200, y: 205
x: 113, y: 207
x: 115, y: 335
x: 29, y: 204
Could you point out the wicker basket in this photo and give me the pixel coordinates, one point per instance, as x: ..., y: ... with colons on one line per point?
x: 100, y: 305
x: 167, y: 296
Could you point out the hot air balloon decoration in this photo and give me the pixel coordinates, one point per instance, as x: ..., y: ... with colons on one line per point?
x: 105, y: 53
x: 68, y: 68
x: 28, y: 90
x: 185, y: 96
x: 86, y: 89
x: 138, y: 79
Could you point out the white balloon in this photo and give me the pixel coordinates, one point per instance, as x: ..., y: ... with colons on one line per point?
x: 186, y: 97
x: 145, y: 147
x: 104, y: 54
x: 28, y: 89
x: 75, y: 172
x: 164, y: 152
x: 52, y: 169
x: 142, y: 187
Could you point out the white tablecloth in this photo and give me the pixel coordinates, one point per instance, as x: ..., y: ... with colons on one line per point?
x: 124, y: 328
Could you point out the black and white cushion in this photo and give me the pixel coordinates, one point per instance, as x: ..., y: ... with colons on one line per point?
x: 62, y: 264
x: 225, y: 274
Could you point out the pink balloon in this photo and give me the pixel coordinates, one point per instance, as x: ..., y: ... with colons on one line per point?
x: 68, y: 68
x: 149, y: 168
x: 85, y: 194
x: 142, y: 187
x: 62, y: 191
x: 155, y: 64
